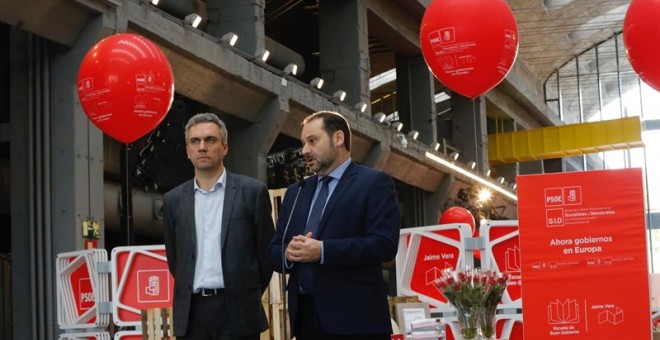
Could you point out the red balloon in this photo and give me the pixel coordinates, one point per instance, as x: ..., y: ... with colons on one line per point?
x: 641, y: 38
x: 461, y: 215
x: 457, y: 215
x: 125, y: 86
x: 469, y: 45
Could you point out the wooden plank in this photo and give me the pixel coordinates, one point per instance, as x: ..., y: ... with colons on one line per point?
x: 157, y: 324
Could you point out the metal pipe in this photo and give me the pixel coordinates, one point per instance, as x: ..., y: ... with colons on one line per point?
x: 180, y: 9
x: 281, y: 56
x: 147, y: 210
x: 147, y: 207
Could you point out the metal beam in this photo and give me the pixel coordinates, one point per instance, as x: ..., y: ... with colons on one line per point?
x: 652, y: 124
x: 392, y: 25
x: 56, y: 20
x: 564, y: 141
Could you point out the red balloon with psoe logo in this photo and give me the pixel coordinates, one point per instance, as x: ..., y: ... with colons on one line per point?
x: 641, y: 38
x: 469, y: 45
x: 125, y: 86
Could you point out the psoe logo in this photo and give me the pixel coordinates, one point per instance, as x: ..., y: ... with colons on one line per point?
x: 154, y: 285
x: 553, y: 197
x: 573, y: 195
x: 86, y: 300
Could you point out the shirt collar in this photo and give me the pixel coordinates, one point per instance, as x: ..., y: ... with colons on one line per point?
x: 222, y: 181
x: 338, y: 171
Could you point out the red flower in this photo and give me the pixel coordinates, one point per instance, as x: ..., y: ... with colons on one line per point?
x: 462, y: 277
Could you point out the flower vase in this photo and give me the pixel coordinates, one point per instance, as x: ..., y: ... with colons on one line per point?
x: 487, y: 322
x: 468, y: 321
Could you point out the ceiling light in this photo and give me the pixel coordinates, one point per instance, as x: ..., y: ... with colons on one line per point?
x: 472, y: 176
x: 153, y: 2
x: 500, y: 179
x: 291, y: 69
x: 262, y: 54
x: 413, y: 134
x: 192, y: 20
x: 397, y: 126
x: 472, y: 164
x: 488, y: 172
x: 443, y: 111
x: 339, y: 95
x: 513, y: 186
x: 441, y: 97
x: 229, y: 38
x: 361, y: 106
x: 380, y: 117
x: 454, y: 155
x: 382, y: 79
x: 317, y: 82
x: 402, y: 139
x: 435, y: 146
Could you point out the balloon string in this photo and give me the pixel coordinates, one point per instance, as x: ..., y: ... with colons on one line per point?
x: 89, y: 174
x: 476, y: 138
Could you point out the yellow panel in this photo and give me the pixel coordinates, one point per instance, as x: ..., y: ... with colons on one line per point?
x: 565, y: 140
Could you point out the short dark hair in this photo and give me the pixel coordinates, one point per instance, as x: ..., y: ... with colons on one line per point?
x: 332, y: 122
x: 207, y: 118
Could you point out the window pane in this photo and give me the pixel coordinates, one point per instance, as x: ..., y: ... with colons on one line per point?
x: 575, y: 163
x: 609, y: 80
x: 632, y: 104
x: 650, y: 102
x: 652, y: 142
x: 614, y: 159
x: 594, y: 161
x: 552, y: 93
x: 569, y: 93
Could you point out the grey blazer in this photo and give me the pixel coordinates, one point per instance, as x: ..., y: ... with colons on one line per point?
x: 247, y: 228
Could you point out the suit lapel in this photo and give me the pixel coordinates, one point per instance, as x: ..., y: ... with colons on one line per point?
x: 189, y: 211
x: 230, y: 194
x: 344, y: 183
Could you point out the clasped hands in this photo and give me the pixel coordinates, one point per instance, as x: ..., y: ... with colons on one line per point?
x: 303, y: 248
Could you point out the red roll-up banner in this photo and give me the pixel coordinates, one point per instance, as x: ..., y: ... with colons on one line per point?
x: 583, y: 255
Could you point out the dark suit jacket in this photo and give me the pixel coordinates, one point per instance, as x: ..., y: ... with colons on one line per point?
x: 247, y: 228
x: 360, y: 231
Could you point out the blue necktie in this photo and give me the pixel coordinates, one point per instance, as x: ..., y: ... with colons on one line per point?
x: 317, y: 208
x: 313, y: 226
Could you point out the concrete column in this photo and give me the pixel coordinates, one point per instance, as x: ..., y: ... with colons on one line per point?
x: 249, y: 147
x: 436, y: 201
x: 469, y: 130
x: 22, y: 207
x: 344, y: 46
x: 243, y: 17
x: 56, y: 171
x: 415, y: 93
x: 77, y: 145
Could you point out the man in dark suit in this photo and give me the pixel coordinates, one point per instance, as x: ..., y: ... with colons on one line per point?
x: 217, y: 229
x: 344, y: 225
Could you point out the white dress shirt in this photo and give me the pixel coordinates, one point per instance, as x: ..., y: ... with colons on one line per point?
x: 208, y: 225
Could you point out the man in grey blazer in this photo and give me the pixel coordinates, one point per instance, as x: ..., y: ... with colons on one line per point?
x: 217, y: 228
